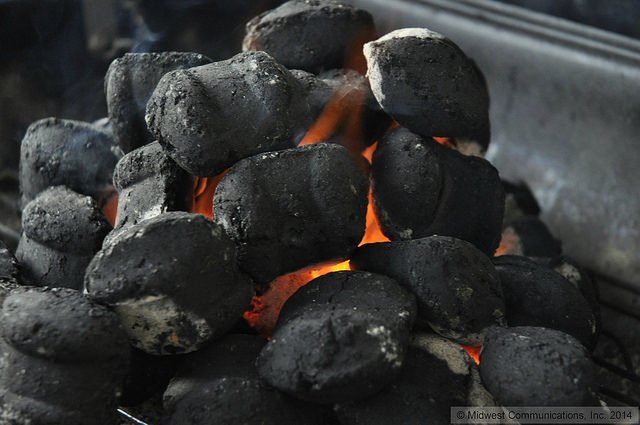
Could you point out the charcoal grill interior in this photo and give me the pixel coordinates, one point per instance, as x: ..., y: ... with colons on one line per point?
x: 564, y: 112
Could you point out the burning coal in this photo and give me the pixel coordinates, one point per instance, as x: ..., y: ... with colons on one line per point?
x: 348, y: 219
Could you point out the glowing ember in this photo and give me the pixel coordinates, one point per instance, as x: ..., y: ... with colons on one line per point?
x: 265, y: 308
x: 109, y: 207
x: 203, y: 190
x: 473, y: 352
x: 341, y: 114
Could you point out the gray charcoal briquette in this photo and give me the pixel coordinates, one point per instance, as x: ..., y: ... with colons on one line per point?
x: 293, y: 208
x: 173, y: 280
x: 427, y: 84
x: 457, y: 287
x: 532, y: 366
x: 312, y: 35
x: 209, y: 117
x: 128, y: 85
x: 61, y: 231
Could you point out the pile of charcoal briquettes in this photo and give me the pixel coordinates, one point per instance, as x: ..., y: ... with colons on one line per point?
x: 100, y: 314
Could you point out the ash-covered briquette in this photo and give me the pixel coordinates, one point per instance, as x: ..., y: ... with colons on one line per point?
x: 335, y: 346
x: 421, y: 188
x: 427, y: 84
x: 71, y: 153
x: 128, y: 85
x: 293, y: 208
x: 536, y: 295
x: 312, y: 35
x: 209, y: 117
x: 173, y: 280
x: 436, y: 375
x: 149, y: 183
x: 362, y: 121
x: 353, y: 290
x: 529, y: 236
x: 579, y: 278
x: 61, y: 231
x: 457, y: 287
x: 147, y: 376
x: 64, y: 359
x: 219, y: 384
x: 532, y: 366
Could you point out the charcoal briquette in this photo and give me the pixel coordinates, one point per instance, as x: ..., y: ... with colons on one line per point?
x: 312, y: 35
x: 149, y: 183
x: 173, y: 280
x: 293, y: 208
x: 427, y: 84
x: 457, y: 287
x: 580, y: 278
x: 75, y: 154
x: 436, y: 375
x: 421, y: 188
x: 534, y: 366
x: 337, y: 348
x: 61, y: 231
x: 128, y: 85
x: 209, y: 117
x: 75, y: 355
x: 219, y: 384
x: 353, y: 290
x: 536, y: 295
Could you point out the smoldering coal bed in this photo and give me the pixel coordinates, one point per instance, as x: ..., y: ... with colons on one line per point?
x: 290, y: 245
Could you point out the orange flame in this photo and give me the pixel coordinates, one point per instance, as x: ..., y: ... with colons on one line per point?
x: 109, y: 207
x: 473, y: 352
x: 265, y: 308
x: 203, y: 190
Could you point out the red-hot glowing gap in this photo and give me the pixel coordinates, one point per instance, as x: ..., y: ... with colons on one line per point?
x: 473, y: 352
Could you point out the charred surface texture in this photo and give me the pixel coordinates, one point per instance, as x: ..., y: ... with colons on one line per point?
x: 61, y: 231
x: 435, y: 376
x: 312, y: 35
x: 422, y: 188
x: 209, y: 117
x: 128, y: 85
x: 71, y: 153
x: 529, y: 366
x: 457, y: 287
x: 293, y: 208
x: 149, y: 183
x: 426, y: 83
x: 356, y: 290
x: 342, y: 337
x: 580, y: 279
x: 75, y: 353
x: 536, y: 295
x: 173, y: 280
x: 220, y: 385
